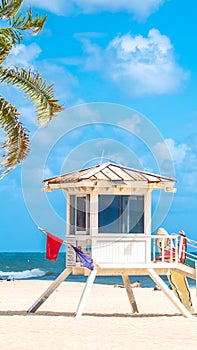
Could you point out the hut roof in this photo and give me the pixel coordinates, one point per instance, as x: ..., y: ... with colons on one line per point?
x: 112, y: 173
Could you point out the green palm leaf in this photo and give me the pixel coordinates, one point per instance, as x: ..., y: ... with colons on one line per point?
x: 9, y: 8
x: 27, y: 22
x: 12, y: 34
x: 35, y: 89
x: 5, y: 47
x: 16, y: 146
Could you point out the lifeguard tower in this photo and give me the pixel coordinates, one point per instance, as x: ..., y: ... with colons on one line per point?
x: 109, y: 218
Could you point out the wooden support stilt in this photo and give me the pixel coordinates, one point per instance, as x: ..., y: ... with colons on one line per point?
x: 130, y: 293
x: 50, y: 290
x: 85, y: 293
x: 157, y: 279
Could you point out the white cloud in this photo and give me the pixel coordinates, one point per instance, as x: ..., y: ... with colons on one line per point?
x: 94, y: 54
x: 144, y: 66
x: 141, y: 9
x: 59, y: 7
x: 177, y: 151
x: 47, y: 173
x: 133, y: 124
x: 138, y: 65
x: 156, y: 46
x: 22, y: 55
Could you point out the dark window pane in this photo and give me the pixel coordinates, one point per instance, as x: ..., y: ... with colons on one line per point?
x: 109, y: 213
x: 72, y: 214
x: 121, y: 214
x: 81, y: 213
x: 136, y: 214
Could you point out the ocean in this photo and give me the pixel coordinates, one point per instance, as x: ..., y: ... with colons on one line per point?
x: 20, y: 266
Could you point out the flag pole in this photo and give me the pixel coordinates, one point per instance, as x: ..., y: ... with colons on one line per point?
x: 46, y: 232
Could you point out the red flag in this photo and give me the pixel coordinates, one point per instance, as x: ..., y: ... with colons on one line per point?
x: 53, y: 245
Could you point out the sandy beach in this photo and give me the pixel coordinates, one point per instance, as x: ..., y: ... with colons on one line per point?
x: 107, y: 322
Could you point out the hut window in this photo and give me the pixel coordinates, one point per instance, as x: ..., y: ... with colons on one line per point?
x: 121, y: 214
x: 79, y: 214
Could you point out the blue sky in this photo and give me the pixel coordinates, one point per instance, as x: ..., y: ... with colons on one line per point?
x: 124, y: 71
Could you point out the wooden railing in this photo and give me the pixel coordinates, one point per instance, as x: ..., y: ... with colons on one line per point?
x: 191, y: 245
x: 136, y: 248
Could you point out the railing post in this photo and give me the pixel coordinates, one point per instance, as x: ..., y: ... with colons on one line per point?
x: 180, y: 246
x: 162, y: 248
x: 154, y: 249
x: 176, y: 250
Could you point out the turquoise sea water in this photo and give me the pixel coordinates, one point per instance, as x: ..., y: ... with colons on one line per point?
x: 35, y: 266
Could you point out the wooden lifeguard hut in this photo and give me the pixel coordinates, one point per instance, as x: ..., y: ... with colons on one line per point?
x: 108, y: 217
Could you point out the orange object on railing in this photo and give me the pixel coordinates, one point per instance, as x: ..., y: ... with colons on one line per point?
x: 164, y: 242
x: 168, y: 255
x: 183, y: 246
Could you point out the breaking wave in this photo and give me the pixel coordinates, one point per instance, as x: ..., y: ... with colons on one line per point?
x: 18, y: 275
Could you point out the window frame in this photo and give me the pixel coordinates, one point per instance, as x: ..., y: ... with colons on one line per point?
x: 74, y: 211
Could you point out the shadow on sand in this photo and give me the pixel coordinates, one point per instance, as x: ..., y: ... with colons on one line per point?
x: 72, y: 314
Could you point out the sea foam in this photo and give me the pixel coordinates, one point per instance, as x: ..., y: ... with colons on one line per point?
x: 17, y: 275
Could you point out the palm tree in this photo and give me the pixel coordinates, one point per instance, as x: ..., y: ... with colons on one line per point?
x: 17, y: 144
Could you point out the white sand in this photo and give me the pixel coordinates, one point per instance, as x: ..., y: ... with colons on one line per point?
x: 107, y: 322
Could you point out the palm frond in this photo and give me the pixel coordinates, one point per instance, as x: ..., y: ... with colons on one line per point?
x: 5, y: 47
x: 16, y: 146
x: 12, y: 34
x: 9, y: 8
x: 19, y: 22
x: 35, y: 89
x: 27, y: 22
